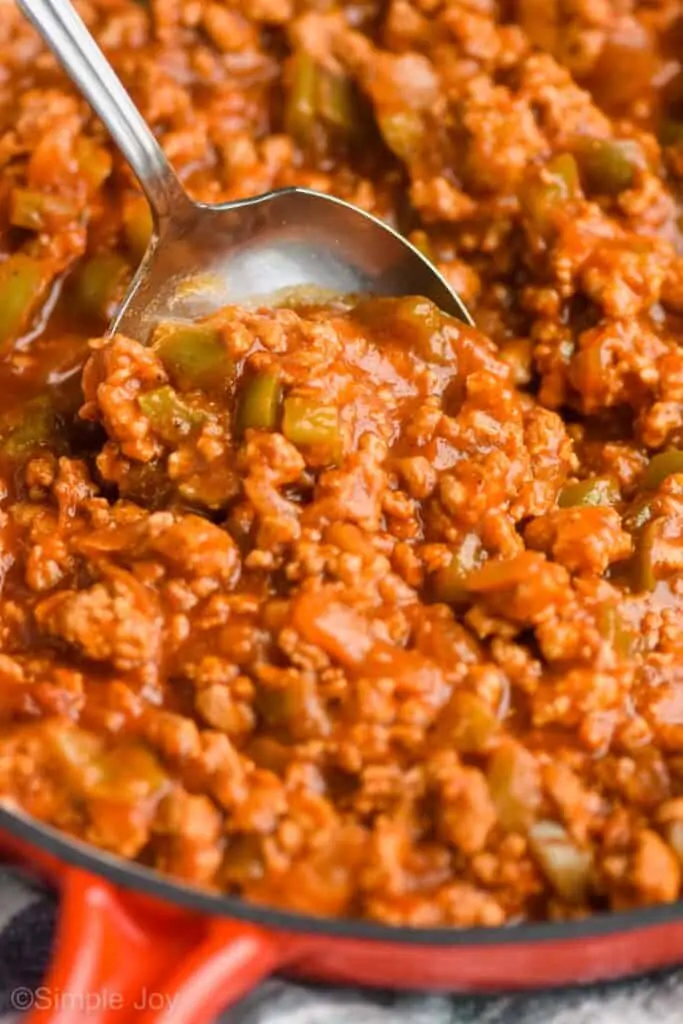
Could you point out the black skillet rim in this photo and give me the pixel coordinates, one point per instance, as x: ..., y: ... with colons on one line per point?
x: 136, y: 878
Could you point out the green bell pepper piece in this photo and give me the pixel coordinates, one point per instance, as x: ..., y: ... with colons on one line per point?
x: 308, y: 424
x: 258, y: 404
x: 194, y: 356
x: 596, y: 491
x: 170, y: 417
x: 661, y: 466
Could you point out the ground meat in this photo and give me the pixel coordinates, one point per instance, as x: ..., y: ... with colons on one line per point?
x: 193, y: 547
x: 582, y: 539
x: 113, y: 621
x: 348, y: 607
x: 114, y: 378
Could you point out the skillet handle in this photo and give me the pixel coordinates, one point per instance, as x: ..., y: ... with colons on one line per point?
x: 118, y: 963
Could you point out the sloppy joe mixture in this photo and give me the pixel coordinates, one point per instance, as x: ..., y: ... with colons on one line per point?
x: 353, y: 609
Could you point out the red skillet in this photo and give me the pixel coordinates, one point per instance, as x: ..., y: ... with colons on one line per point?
x: 134, y: 947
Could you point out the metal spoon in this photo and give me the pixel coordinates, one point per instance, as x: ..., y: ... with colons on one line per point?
x: 202, y: 257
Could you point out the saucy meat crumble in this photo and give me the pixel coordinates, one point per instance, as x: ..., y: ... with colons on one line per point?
x: 350, y: 608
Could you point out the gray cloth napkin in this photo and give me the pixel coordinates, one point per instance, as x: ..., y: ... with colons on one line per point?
x: 27, y: 915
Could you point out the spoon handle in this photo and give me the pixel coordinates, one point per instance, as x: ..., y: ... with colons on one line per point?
x: 72, y: 44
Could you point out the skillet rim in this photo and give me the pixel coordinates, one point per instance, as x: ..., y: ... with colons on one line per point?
x: 136, y: 878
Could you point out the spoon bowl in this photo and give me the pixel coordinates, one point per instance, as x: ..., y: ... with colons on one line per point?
x: 288, y: 245
x: 292, y: 244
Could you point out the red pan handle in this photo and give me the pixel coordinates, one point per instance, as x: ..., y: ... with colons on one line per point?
x: 116, y: 962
